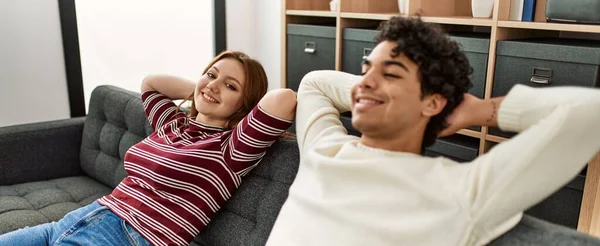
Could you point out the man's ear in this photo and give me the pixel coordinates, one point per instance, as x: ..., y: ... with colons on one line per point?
x: 434, y: 104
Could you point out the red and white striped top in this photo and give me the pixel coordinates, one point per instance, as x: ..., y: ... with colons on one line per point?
x: 180, y: 175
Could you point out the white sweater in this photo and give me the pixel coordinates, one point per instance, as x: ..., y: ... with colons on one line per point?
x: 348, y: 194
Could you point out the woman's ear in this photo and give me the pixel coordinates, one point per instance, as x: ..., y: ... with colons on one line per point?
x: 434, y: 104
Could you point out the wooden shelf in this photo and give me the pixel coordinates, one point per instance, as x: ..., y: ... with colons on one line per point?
x: 550, y: 26
x: 452, y: 20
x: 459, y: 20
x: 495, y: 139
x: 470, y: 133
x: 367, y: 16
x: 315, y: 13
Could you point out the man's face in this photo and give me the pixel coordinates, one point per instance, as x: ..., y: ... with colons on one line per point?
x: 387, y: 101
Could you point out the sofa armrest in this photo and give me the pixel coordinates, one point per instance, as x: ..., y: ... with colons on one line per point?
x: 40, y: 151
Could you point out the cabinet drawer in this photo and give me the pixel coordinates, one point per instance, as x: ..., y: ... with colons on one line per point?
x: 545, y: 63
x: 309, y: 48
x: 357, y: 44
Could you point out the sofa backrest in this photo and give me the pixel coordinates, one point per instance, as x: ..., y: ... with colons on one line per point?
x: 116, y: 121
x: 248, y: 217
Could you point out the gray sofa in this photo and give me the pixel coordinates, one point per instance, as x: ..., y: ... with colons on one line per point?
x: 48, y: 169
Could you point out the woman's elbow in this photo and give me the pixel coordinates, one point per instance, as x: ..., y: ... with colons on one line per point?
x: 280, y: 102
x: 147, y: 83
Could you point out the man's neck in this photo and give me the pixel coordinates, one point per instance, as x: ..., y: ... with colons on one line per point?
x: 409, y: 141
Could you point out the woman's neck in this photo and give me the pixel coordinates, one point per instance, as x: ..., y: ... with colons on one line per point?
x: 200, y: 118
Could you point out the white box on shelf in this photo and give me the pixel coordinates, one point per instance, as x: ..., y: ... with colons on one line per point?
x: 403, y: 6
x: 482, y: 8
x: 516, y: 10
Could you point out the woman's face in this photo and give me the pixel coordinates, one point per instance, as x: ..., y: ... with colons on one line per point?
x: 218, y: 94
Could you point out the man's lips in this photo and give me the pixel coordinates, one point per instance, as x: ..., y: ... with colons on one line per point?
x: 366, y: 103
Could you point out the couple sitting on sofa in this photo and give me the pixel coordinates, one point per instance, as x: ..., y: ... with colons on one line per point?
x: 372, y: 190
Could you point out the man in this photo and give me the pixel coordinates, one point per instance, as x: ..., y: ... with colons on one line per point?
x: 379, y: 190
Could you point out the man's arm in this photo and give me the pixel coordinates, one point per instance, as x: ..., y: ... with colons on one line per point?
x: 321, y: 97
x: 558, y: 136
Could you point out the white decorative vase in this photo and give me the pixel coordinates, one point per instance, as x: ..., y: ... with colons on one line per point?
x: 333, y: 5
x: 403, y: 6
x: 482, y: 8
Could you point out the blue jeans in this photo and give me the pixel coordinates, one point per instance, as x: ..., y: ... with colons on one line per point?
x: 93, y: 224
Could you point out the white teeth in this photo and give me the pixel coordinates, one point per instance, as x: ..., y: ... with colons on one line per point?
x: 209, y: 98
x: 367, y: 101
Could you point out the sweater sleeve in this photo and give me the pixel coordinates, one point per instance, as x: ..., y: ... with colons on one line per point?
x: 558, y: 136
x: 159, y: 109
x: 321, y: 97
x: 251, y: 138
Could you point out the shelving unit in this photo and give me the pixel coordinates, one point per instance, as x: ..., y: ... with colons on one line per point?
x: 452, y: 15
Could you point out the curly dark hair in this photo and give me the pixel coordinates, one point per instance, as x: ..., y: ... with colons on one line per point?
x: 443, y: 67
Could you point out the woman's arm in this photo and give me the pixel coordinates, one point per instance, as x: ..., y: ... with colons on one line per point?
x: 256, y: 132
x: 280, y: 103
x: 171, y: 86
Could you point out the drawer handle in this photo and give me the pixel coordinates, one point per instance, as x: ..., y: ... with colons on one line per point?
x: 541, y: 76
x: 310, y: 47
x: 366, y: 52
x: 538, y: 80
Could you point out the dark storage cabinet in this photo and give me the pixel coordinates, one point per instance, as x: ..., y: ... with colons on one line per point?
x: 476, y: 47
x: 563, y: 206
x: 309, y: 48
x: 456, y: 147
x: 346, y: 119
x: 545, y: 63
x: 357, y: 44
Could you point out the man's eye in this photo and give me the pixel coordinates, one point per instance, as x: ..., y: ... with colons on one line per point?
x: 389, y: 75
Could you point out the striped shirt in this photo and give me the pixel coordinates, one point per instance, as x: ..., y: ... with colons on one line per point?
x: 180, y: 175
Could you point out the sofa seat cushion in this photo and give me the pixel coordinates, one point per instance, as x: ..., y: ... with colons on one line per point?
x: 34, y: 203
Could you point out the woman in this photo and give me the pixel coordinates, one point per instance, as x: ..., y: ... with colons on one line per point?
x: 179, y: 176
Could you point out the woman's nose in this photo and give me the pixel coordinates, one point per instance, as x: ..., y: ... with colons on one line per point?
x: 213, y: 86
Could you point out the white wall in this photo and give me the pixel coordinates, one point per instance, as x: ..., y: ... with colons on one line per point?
x: 254, y: 27
x: 33, y: 84
x: 123, y: 41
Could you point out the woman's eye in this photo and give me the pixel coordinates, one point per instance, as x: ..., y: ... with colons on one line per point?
x: 211, y: 75
x: 230, y: 86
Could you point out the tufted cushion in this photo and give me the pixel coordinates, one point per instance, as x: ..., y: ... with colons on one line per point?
x: 248, y: 217
x: 115, y: 121
x: 34, y: 203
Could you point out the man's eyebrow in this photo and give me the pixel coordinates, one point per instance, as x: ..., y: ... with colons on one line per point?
x: 397, y: 63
